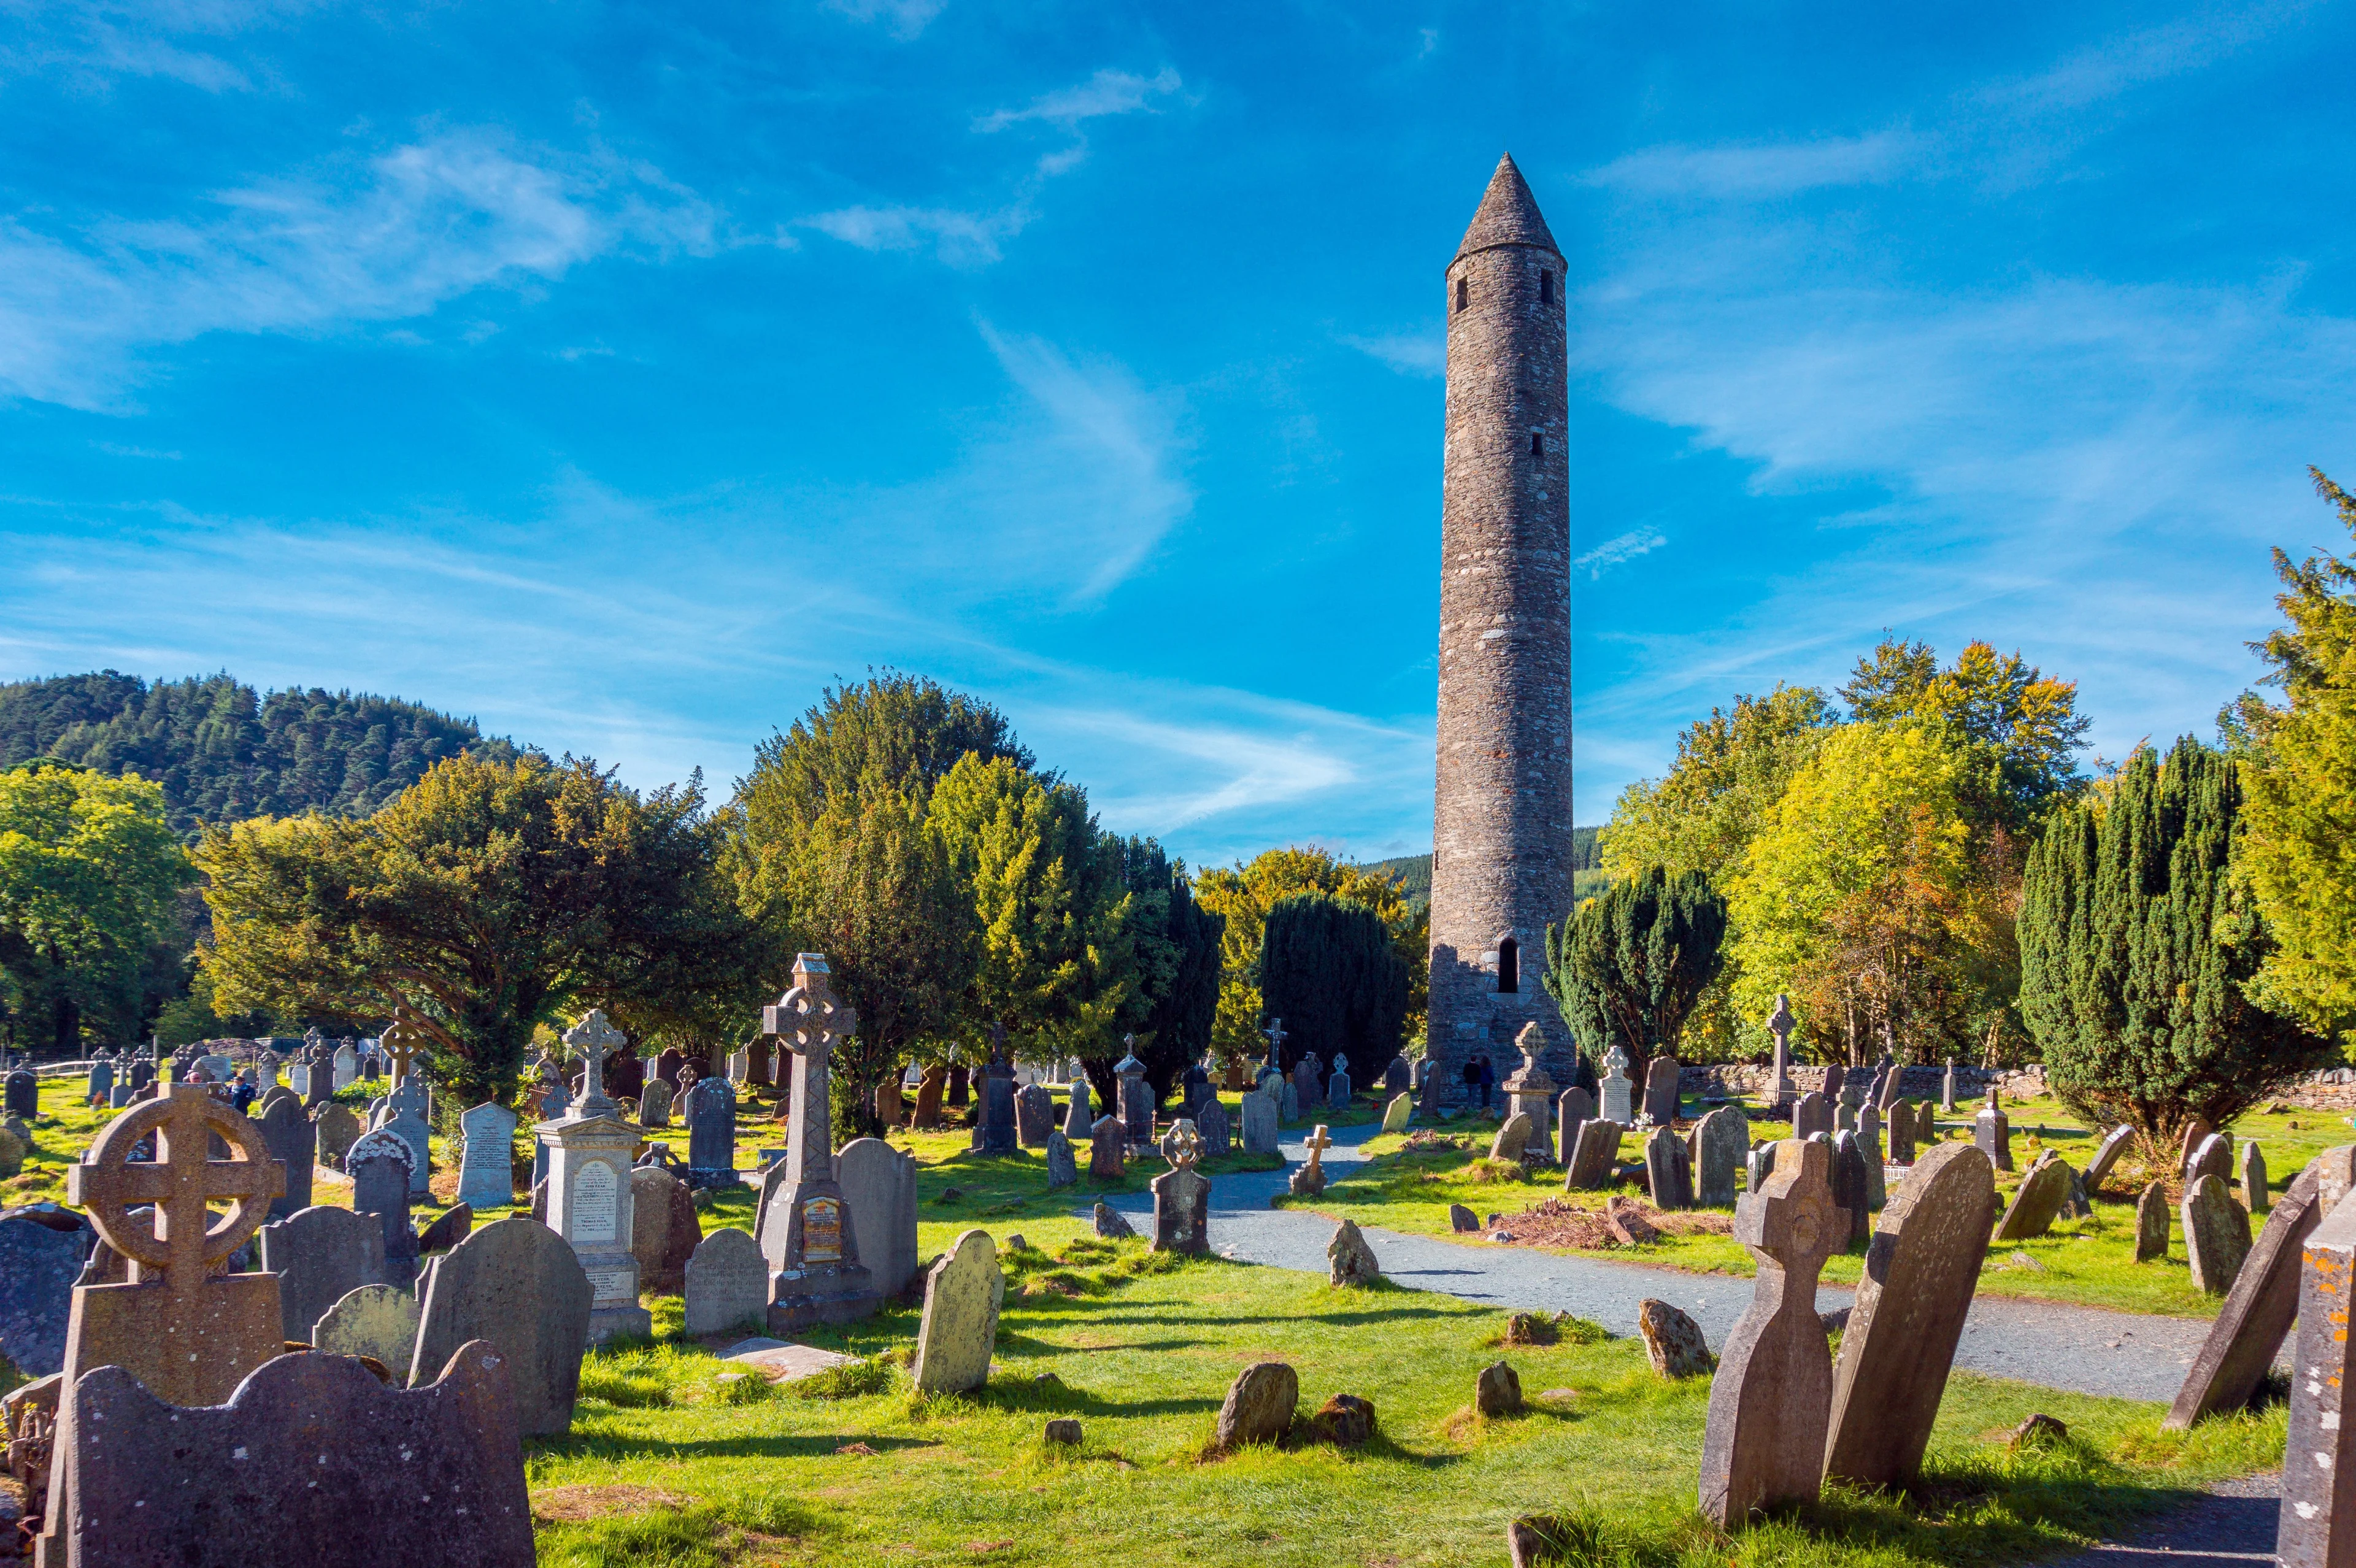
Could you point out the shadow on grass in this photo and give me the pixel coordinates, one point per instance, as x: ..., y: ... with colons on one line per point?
x: 634, y: 1446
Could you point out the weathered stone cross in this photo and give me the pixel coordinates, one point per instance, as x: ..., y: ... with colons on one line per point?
x: 808, y: 1020
x: 401, y: 1040
x: 109, y: 1184
x: 594, y: 1039
x: 1317, y: 1143
x: 1183, y: 1147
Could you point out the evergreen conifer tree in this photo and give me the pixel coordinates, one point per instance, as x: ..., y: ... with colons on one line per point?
x: 1329, y: 969
x: 1629, y: 964
x: 2137, y: 943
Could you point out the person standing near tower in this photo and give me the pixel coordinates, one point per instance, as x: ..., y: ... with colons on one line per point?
x: 1501, y: 833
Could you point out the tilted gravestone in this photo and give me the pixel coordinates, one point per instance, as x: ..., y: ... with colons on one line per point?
x: 293, y: 1141
x: 1673, y: 1340
x: 1771, y: 1404
x: 2152, y: 1223
x: 1512, y: 1139
x: 376, y: 1320
x: 515, y: 1284
x: 879, y: 1185
x: 1669, y: 1171
x: 147, y: 1483
x: 320, y: 1255
x: 486, y: 1169
x: 1181, y: 1198
x: 727, y: 1283
x: 1591, y: 1162
x: 2196, y: 1131
x: 2250, y: 1328
x: 2107, y: 1153
x: 1349, y: 1260
x: 2216, y: 1234
x: 959, y: 1330
x: 1396, y: 1113
x: 1719, y: 1144
x: 2037, y: 1200
x: 1920, y: 1273
x: 2319, y: 1450
x: 38, y: 1263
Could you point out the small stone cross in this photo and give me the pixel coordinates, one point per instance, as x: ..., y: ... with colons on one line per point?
x: 997, y: 1044
x: 594, y: 1039
x: 1275, y: 1039
x: 1779, y: 1022
x: 401, y: 1040
x: 109, y: 1184
x: 1183, y: 1147
x: 808, y: 1020
x: 1317, y: 1143
x: 1529, y: 1043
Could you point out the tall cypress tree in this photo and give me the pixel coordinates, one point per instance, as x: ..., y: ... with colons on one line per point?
x: 1329, y: 969
x: 1629, y: 966
x: 2137, y: 945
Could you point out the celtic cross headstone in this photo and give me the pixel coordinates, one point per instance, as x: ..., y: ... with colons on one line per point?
x: 809, y: 1236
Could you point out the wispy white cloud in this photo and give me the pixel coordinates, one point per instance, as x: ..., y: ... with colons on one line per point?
x: 1409, y: 353
x: 419, y: 225
x: 962, y: 239
x: 906, y: 18
x: 1106, y: 92
x: 1618, y: 549
x: 1752, y: 170
x: 94, y: 42
x: 2117, y: 65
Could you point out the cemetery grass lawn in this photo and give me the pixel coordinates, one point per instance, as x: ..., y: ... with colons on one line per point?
x: 2087, y: 1262
x: 667, y: 1466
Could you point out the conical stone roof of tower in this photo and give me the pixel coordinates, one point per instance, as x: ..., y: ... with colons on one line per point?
x: 1508, y: 215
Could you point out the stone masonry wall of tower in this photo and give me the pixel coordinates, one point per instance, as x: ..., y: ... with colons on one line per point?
x: 1502, y: 809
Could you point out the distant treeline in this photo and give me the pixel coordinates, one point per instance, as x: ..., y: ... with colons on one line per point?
x: 224, y: 752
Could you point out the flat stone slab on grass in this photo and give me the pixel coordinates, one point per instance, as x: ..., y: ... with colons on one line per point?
x: 785, y: 1363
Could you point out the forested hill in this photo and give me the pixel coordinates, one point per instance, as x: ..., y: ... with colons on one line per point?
x: 1413, y: 872
x: 224, y: 752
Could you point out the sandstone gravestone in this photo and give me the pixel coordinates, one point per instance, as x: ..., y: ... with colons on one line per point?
x: 2252, y: 1179
x: 727, y: 1283
x: 1771, y: 1403
x: 930, y: 1086
x: 1395, y: 1114
x: 148, y: 1484
x: 664, y: 1229
x: 1901, y: 1133
x: 1106, y: 1145
x: 1573, y: 1109
x: 190, y: 1337
x: 38, y: 1263
x: 1720, y: 1143
x: 1512, y: 1139
x: 2196, y: 1131
x: 320, y: 1255
x: 1258, y: 1407
x: 1034, y: 1115
x: 486, y: 1169
x: 2107, y: 1153
x: 2214, y: 1157
x: 515, y: 1284
x: 1668, y: 1169
x: 2037, y: 1200
x: 1926, y: 1125
x: 1661, y: 1089
x: 1672, y: 1341
x: 2216, y: 1234
x: 376, y: 1320
x: 1349, y: 1260
x: 2152, y: 1223
x: 1062, y: 1168
x: 1598, y: 1150
x: 1078, y: 1122
x: 1814, y: 1114
x: 959, y: 1330
x: 1181, y: 1198
x: 879, y: 1189
x: 1497, y: 1391
x: 292, y: 1141
x: 1109, y: 1224
x: 1868, y: 1145
x: 1849, y: 1185
x: 1919, y: 1273
x: 2250, y: 1328
x: 2319, y: 1450
x: 378, y: 1167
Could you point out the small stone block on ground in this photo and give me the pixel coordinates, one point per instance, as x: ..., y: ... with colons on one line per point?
x: 1672, y: 1341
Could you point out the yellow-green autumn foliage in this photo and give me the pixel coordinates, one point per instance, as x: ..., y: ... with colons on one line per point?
x: 1859, y: 895
x: 1245, y: 894
x: 2298, y: 819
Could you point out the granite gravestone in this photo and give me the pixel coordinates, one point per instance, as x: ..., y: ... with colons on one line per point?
x: 711, y: 1134
x: 1530, y: 1089
x: 727, y: 1283
x: 1868, y: 1145
x: 1616, y: 1091
x: 1337, y: 1084
x: 1812, y: 1115
x: 2214, y: 1157
x: 1661, y: 1089
x: 2216, y: 1234
x: 1181, y: 1198
x: 1992, y: 1132
x: 2152, y: 1223
x: 1847, y: 1170
x: 1575, y: 1107
x: 1512, y: 1139
x: 1771, y: 1404
x: 1105, y: 1142
x: 1901, y: 1133
x: 515, y: 1284
x: 320, y: 1255
x: 1034, y: 1116
x: 654, y: 1102
x: 404, y: 1118
x: 1781, y: 1090
x: 38, y: 1262
x: 1591, y: 1162
x: 811, y: 1232
x: 1211, y: 1126
x: 379, y: 1165
x: 1719, y: 1144
x: 101, y: 1083
x: 1919, y: 1273
x: 879, y: 1188
x: 1261, y: 1132
x: 1136, y: 1097
x: 1062, y: 1167
x: 589, y: 1194
x: 336, y: 1129
x: 959, y: 1329
x: 487, y: 1169
x: 664, y: 1229
x: 292, y: 1141
x: 2196, y: 1131
x: 2252, y: 1179
x: 2319, y: 1450
x: 2037, y: 1201
x: 1668, y: 1169
x: 1078, y: 1122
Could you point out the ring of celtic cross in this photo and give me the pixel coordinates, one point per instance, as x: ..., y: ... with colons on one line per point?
x: 114, y: 1183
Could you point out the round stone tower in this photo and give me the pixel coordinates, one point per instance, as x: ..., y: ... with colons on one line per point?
x: 1501, y: 841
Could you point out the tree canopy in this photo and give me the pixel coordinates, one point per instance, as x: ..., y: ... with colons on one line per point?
x: 89, y: 875
x: 490, y: 896
x: 1243, y: 896
x: 1330, y: 969
x: 1630, y: 966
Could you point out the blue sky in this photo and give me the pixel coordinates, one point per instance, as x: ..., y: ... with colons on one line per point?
x: 620, y: 375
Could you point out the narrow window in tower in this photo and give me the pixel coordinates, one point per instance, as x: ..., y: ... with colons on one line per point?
x: 1464, y: 293
x: 1537, y: 444
x: 1546, y: 288
x: 1509, y: 966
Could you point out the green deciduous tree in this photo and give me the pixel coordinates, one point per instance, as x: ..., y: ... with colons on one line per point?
x: 2138, y: 944
x: 1729, y: 772
x: 2298, y: 846
x: 1329, y: 967
x: 1629, y: 967
x: 89, y: 872
x: 490, y: 896
x: 2018, y: 730
x: 1243, y: 896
